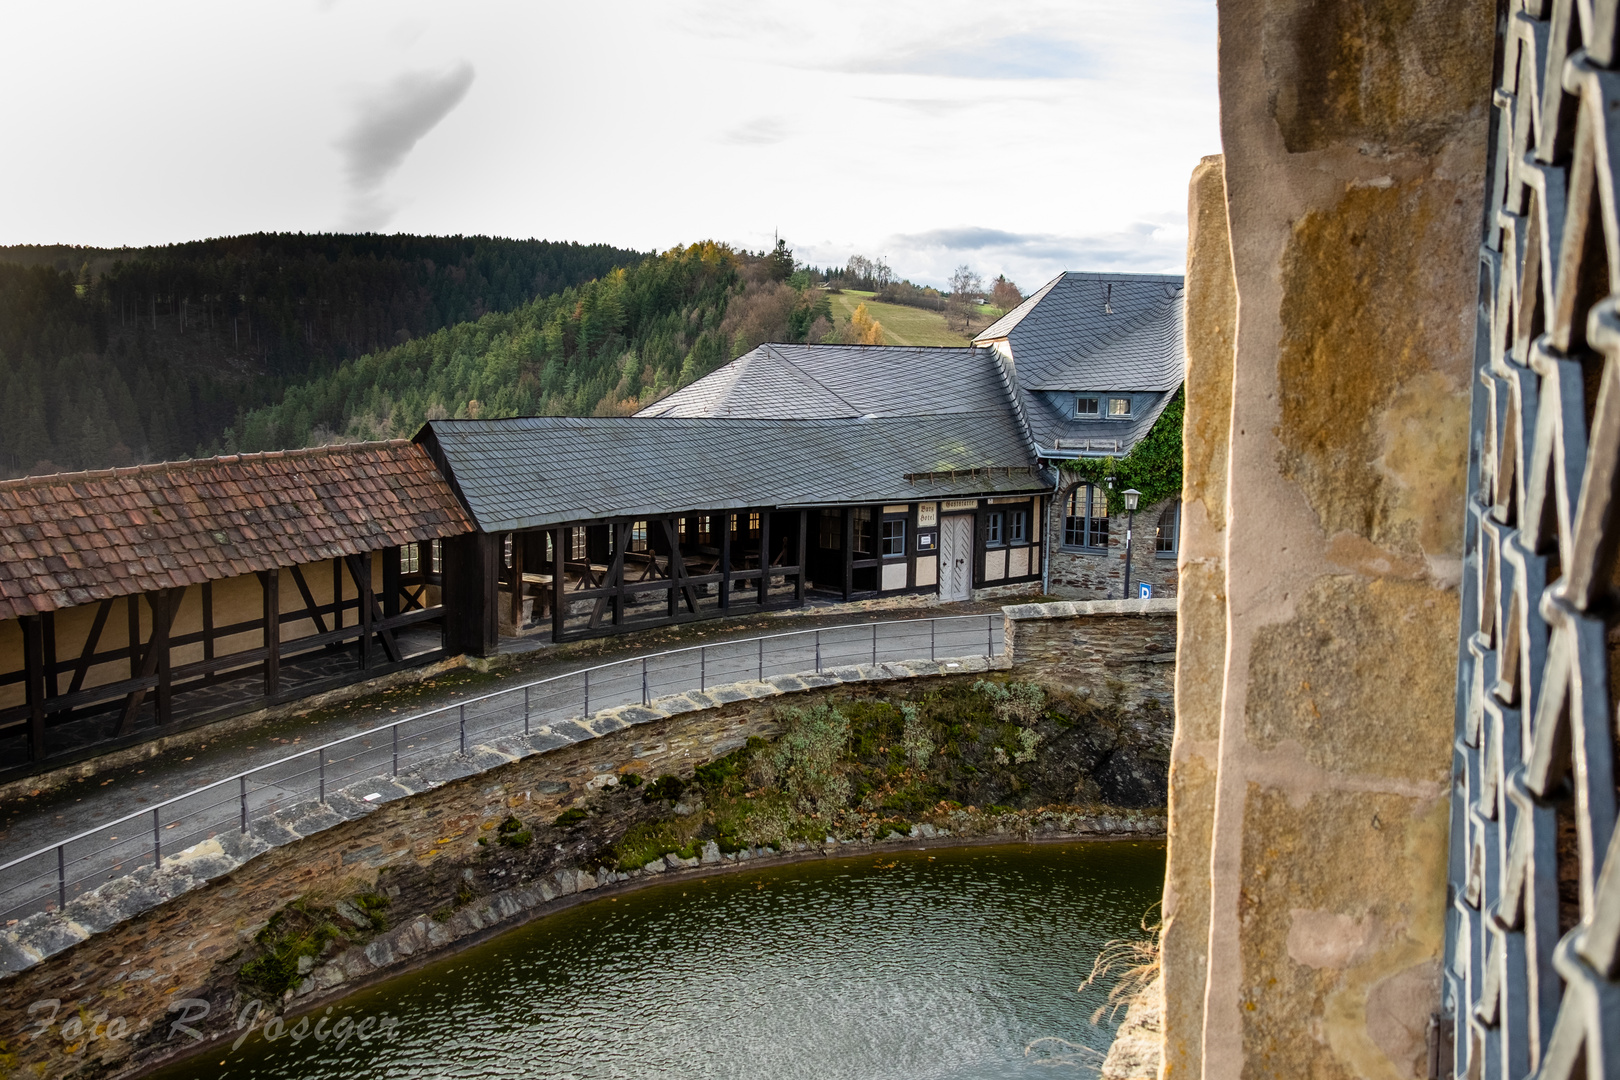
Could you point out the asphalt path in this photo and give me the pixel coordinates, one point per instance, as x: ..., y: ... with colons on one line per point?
x: 540, y: 694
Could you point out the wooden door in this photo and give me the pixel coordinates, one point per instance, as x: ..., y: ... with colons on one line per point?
x: 956, y: 557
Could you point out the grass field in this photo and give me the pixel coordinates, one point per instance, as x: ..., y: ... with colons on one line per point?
x: 906, y: 325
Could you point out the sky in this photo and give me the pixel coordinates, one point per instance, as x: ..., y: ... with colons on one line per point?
x: 1016, y: 138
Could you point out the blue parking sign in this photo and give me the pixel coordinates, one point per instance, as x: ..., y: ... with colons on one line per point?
x: 1146, y: 592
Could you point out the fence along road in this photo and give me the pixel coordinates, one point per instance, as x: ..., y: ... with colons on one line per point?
x: 548, y: 711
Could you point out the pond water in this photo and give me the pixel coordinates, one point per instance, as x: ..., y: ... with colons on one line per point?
x: 939, y: 964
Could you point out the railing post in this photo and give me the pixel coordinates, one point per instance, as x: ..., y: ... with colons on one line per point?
x: 989, y: 637
x: 61, y: 878
x: 157, y: 841
x: 762, y: 657
x: 243, y: 782
x: 874, y: 644
x: 463, y: 725
x: 396, y: 749
x: 645, y: 700
x: 703, y: 668
x: 818, y: 652
x: 526, y: 710
x: 932, y: 623
x: 320, y: 756
x: 587, y: 691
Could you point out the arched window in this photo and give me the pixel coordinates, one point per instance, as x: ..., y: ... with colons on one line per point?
x: 1085, y: 519
x: 1164, y: 543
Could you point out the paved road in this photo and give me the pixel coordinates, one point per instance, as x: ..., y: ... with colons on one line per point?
x: 470, y: 707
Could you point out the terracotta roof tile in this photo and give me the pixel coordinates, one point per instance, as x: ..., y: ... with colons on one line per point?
x: 79, y: 537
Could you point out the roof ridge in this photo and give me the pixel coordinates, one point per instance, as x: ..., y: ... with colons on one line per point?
x: 158, y: 467
x: 811, y: 379
x: 1131, y: 326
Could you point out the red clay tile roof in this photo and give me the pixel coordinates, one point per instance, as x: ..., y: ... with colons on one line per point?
x: 74, y: 538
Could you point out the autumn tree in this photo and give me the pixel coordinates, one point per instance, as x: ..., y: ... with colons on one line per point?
x: 965, y: 289
x: 862, y: 328
x: 1004, y: 295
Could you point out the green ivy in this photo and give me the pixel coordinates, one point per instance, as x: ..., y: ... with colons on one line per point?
x: 1153, y: 466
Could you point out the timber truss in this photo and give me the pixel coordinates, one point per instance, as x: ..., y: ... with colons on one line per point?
x: 105, y: 688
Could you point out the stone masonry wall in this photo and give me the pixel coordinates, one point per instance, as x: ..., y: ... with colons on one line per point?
x: 1200, y: 617
x: 1124, y: 649
x: 1086, y: 575
x: 1354, y: 136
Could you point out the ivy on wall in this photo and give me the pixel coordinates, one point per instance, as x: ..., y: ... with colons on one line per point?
x: 1153, y: 466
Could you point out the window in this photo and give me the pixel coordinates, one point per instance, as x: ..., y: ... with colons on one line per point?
x: 410, y: 558
x: 579, y: 545
x: 1164, y: 542
x: 506, y: 552
x: 706, y: 529
x: 832, y: 530
x: 1119, y: 406
x: 682, y: 528
x: 1085, y: 407
x: 993, y: 529
x: 1085, y: 519
x: 436, y: 557
x: 638, y: 536
x: 894, y: 536
x: 1019, y: 533
x: 864, y: 530
x: 753, y: 524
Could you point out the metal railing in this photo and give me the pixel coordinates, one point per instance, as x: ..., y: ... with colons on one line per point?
x: 45, y: 880
x: 1532, y: 973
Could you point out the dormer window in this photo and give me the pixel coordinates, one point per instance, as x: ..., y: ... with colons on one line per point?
x: 1086, y: 407
x: 1119, y: 407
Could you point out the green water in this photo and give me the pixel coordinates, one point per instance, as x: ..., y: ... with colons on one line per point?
x: 922, y: 964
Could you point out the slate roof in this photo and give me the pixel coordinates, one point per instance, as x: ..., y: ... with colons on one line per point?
x: 810, y: 381
x: 531, y: 472
x: 1095, y: 332
x: 74, y: 538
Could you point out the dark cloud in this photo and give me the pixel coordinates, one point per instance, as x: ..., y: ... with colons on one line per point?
x: 1012, y: 56
x: 390, y: 123
x: 760, y: 131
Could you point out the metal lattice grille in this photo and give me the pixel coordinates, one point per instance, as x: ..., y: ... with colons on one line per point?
x: 1533, y: 943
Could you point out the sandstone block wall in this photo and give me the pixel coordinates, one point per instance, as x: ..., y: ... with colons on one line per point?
x: 1354, y: 136
x: 1113, y: 650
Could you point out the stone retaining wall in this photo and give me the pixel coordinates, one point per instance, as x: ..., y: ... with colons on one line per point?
x: 1122, y: 650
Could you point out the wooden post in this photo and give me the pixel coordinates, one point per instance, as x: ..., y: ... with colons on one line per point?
x: 798, y: 588
x: 559, y: 564
x: 34, y: 676
x: 849, y: 552
x: 367, y: 599
x: 271, y: 582
x: 672, y: 533
x: 47, y: 633
x: 725, y: 561
x: 134, y: 639
x: 764, y: 556
x: 517, y: 582
x: 337, y: 598
x: 621, y: 547
x: 208, y: 619
x: 165, y: 606
x: 390, y: 598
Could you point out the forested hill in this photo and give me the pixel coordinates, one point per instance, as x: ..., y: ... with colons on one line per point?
x: 603, y: 348
x: 113, y: 356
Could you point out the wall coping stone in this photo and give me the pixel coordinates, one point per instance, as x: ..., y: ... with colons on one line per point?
x: 1069, y: 609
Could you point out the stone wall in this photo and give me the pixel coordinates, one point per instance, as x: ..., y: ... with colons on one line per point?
x: 1100, y: 575
x: 1354, y: 134
x: 1201, y: 615
x: 1122, y: 650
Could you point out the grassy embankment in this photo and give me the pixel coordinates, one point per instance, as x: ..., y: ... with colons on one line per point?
x: 904, y: 325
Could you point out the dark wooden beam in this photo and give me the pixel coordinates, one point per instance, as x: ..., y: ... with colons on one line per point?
x: 471, y: 594
x: 270, y: 581
x: 360, y: 567
x: 132, y: 604
x: 82, y: 667
x: 849, y: 551
x: 208, y: 619
x: 803, y: 557
x: 517, y: 583
x: 559, y: 566
x: 47, y: 633
x: 34, y: 684
x: 164, y: 617
x: 311, y: 609
x: 764, y: 556
x: 155, y: 653
x: 725, y: 561
x: 677, y: 572
x: 337, y: 594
